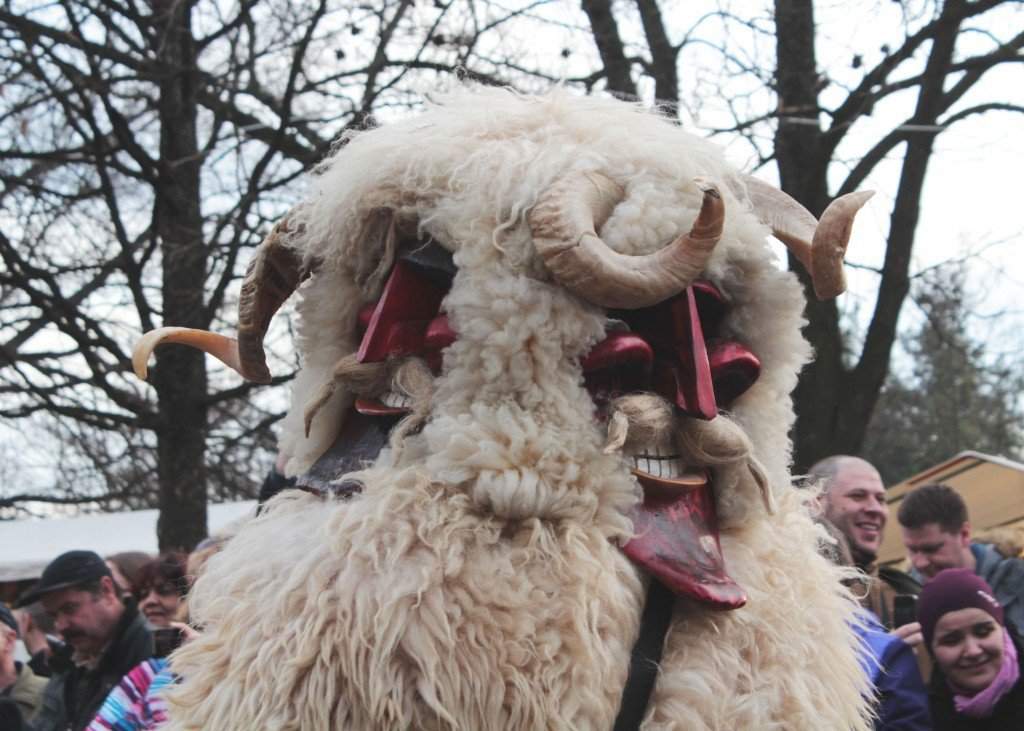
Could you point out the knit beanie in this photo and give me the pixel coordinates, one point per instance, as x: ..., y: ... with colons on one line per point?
x: 949, y: 591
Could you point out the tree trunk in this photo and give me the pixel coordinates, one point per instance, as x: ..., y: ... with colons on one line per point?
x: 180, y: 375
x: 873, y: 366
x: 803, y: 170
x: 833, y: 400
x: 610, y: 47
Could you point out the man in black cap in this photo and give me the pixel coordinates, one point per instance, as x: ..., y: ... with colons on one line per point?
x: 106, y: 638
x: 18, y: 684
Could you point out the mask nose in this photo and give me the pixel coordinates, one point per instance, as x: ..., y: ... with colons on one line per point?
x: 703, y: 371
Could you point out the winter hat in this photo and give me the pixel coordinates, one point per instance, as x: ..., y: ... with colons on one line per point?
x: 949, y: 591
x: 6, y: 617
x: 73, y: 568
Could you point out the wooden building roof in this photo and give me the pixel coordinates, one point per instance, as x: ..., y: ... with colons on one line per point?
x: 992, y: 487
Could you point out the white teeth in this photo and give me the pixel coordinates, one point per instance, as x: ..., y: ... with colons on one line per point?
x: 396, y: 400
x: 659, y: 464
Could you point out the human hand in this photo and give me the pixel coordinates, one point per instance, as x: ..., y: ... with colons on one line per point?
x: 188, y: 633
x: 33, y: 637
x: 910, y: 633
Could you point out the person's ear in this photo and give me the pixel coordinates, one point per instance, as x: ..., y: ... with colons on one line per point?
x: 109, y: 588
x: 965, y: 534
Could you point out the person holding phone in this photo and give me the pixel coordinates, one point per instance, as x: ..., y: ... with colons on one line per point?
x: 105, y: 635
x: 937, y: 535
x: 978, y: 682
x: 900, y: 698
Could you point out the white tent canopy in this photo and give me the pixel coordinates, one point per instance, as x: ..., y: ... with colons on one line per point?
x: 27, y: 546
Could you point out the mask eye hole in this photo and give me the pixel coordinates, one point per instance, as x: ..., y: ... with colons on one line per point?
x: 619, y: 364
x: 685, y: 359
x: 734, y: 369
x: 406, y: 319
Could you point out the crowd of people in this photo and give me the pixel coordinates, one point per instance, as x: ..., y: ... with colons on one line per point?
x: 958, y: 610
x: 940, y: 642
x: 97, y: 633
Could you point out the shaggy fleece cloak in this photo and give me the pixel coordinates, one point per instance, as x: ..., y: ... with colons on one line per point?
x: 477, y: 583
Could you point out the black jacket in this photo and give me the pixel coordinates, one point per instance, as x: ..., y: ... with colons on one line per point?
x: 1007, y: 715
x: 74, y: 693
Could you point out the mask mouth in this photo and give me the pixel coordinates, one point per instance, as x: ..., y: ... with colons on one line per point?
x: 667, y: 473
x: 676, y: 538
x: 669, y: 469
x: 389, y: 403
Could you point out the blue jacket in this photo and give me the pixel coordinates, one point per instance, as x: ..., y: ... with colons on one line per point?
x: 1005, y: 576
x: 902, y: 700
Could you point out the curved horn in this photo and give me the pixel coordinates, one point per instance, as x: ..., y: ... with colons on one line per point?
x: 828, y: 247
x: 221, y: 347
x: 819, y: 246
x: 273, y: 274
x: 564, y: 224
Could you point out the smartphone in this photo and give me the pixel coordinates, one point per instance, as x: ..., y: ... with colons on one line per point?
x: 166, y: 640
x: 904, y: 609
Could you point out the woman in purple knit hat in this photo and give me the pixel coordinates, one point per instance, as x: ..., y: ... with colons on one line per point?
x: 977, y: 682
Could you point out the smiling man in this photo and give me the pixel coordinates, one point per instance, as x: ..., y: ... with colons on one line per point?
x: 107, y: 637
x: 936, y: 533
x: 853, y: 500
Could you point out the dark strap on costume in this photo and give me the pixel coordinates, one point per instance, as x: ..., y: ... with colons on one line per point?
x: 643, y: 664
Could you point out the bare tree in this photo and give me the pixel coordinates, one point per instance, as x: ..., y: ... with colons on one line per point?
x: 952, y: 395
x: 149, y: 146
x: 835, y: 400
x: 811, y: 128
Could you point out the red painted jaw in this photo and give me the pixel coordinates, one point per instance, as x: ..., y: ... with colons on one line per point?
x: 676, y: 540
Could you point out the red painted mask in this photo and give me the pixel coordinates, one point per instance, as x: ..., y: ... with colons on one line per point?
x: 674, y: 349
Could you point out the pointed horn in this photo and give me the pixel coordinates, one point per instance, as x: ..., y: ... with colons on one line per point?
x: 222, y: 348
x: 818, y: 246
x: 564, y: 224
x: 830, y: 241
x: 274, y: 273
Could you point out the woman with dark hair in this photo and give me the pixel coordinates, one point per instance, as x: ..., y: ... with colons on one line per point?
x: 161, y: 586
x: 137, y: 703
x: 125, y: 568
x: 977, y: 682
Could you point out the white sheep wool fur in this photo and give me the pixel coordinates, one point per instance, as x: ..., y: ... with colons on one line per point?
x: 477, y: 581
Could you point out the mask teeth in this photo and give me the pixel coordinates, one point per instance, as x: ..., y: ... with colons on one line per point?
x: 659, y: 464
x: 396, y: 400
